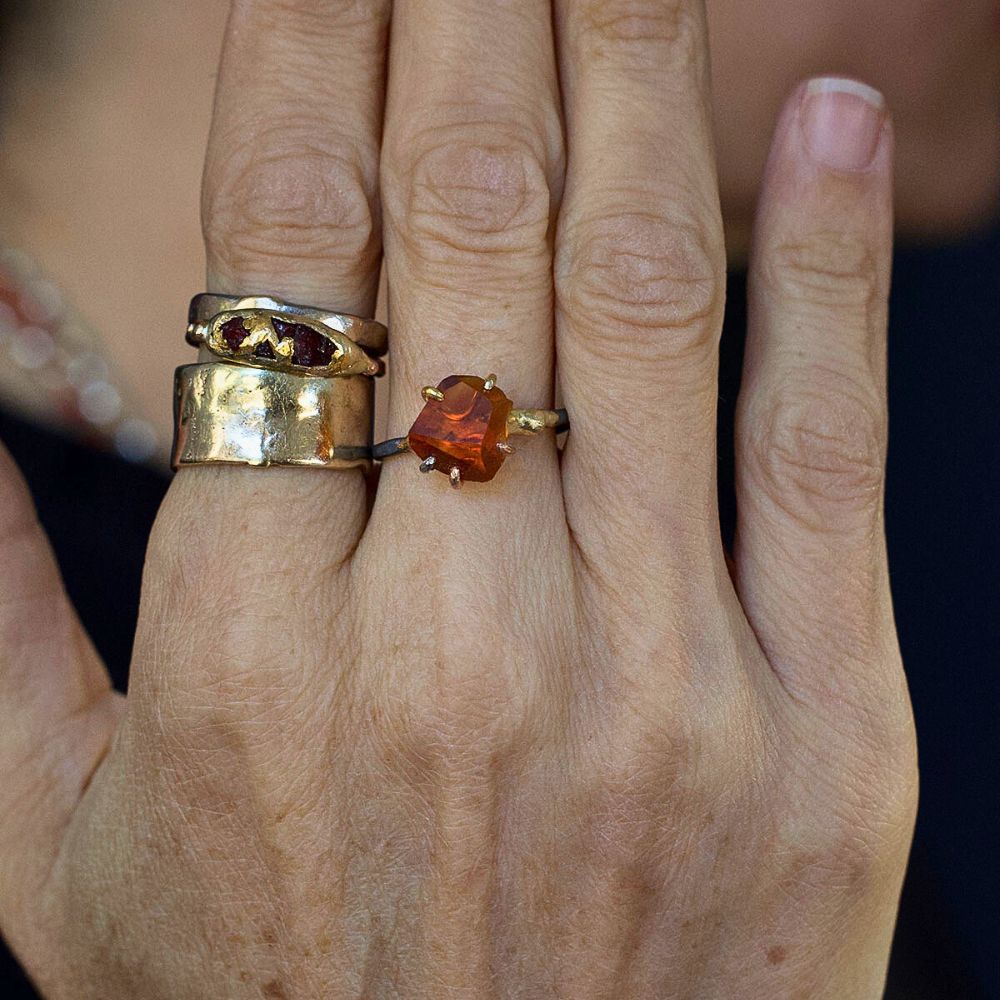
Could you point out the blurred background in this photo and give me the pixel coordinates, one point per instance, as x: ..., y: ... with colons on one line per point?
x: 104, y: 112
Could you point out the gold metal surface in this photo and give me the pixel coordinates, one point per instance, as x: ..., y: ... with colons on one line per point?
x: 368, y: 334
x: 254, y: 416
x: 531, y: 421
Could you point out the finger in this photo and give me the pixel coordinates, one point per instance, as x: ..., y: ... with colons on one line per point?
x: 57, y: 710
x: 811, y: 422
x: 248, y: 559
x: 639, y: 285
x: 289, y: 200
x: 470, y: 177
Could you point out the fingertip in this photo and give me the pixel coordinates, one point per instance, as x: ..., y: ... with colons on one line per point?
x: 833, y: 133
x: 842, y: 122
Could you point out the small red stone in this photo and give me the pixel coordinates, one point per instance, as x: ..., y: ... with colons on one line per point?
x: 234, y: 333
x: 464, y: 429
x: 310, y: 349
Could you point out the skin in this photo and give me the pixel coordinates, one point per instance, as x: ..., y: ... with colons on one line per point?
x: 83, y: 133
x: 539, y: 738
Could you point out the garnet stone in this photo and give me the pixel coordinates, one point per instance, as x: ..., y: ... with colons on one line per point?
x: 310, y: 348
x: 234, y: 332
x: 464, y: 430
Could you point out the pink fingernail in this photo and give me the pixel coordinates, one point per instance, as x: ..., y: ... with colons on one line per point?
x: 842, y: 122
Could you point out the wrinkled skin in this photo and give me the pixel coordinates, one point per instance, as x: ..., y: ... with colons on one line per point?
x: 538, y: 738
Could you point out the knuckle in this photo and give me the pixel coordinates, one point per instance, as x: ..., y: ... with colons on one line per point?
x: 268, y: 203
x: 661, y: 280
x: 829, y: 269
x: 864, y: 836
x: 644, y: 773
x: 818, y: 450
x: 461, y: 194
x: 453, y: 719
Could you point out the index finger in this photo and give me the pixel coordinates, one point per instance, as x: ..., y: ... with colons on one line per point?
x: 290, y: 210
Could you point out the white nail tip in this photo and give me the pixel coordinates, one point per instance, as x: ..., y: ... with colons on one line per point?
x: 845, y: 85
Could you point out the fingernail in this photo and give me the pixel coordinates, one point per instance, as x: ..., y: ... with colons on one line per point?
x: 842, y: 122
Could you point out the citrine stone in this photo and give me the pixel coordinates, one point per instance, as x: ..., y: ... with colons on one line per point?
x: 464, y: 429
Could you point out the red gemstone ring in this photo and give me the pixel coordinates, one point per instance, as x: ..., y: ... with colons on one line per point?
x: 463, y: 429
x: 265, y: 332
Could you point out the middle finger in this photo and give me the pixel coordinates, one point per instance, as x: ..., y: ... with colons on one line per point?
x: 471, y: 170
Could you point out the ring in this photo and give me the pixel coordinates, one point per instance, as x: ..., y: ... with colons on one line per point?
x: 463, y: 428
x: 265, y: 332
x: 256, y: 416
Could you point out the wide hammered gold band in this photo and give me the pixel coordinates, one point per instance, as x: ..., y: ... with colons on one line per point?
x: 254, y: 416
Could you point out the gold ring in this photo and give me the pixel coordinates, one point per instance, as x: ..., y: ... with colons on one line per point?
x: 265, y: 332
x: 463, y: 429
x: 256, y: 416
x: 369, y: 334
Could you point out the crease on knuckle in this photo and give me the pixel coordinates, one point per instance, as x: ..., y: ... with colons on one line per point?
x: 660, y: 280
x: 829, y: 269
x: 819, y: 450
x: 310, y: 21
x: 287, y: 200
x: 634, y: 24
x: 464, y: 194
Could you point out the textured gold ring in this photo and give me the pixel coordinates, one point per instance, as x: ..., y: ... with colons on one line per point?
x: 256, y: 416
x: 367, y: 333
x: 265, y: 332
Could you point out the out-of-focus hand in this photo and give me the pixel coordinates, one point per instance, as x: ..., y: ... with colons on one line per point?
x: 537, y: 738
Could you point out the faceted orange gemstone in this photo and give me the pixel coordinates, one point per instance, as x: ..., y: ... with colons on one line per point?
x: 463, y: 430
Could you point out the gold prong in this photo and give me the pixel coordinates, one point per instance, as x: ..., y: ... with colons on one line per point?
x: 490, y: 383
x: 429, y: 393
x: 505, y: 448
x: 285, y: 348
x: 428, y: 463
x: 455, y: 476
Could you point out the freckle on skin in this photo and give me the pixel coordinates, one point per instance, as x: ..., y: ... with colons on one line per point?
x: 776, y: 955
x: 275, y: 990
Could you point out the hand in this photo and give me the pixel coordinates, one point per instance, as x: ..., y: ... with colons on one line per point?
x: 535, y: 739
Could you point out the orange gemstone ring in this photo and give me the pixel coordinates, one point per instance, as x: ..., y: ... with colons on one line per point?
x: 463, y: 429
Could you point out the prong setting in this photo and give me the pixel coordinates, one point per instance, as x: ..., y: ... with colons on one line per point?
x: 455, y: 477
x: 505, y: 448
x: 490, y: 382
x: 429, y: 393
x: 427, y: 465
